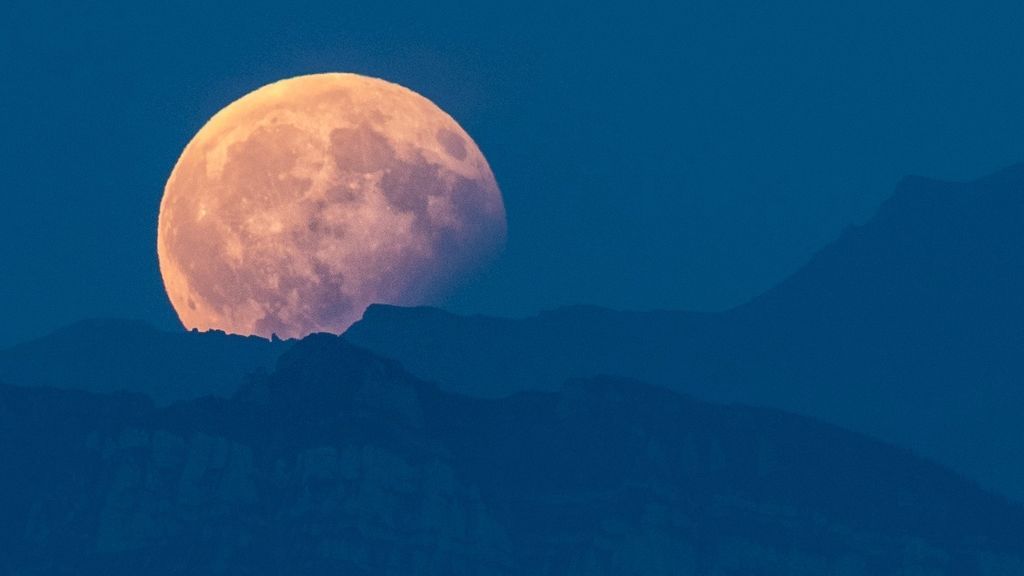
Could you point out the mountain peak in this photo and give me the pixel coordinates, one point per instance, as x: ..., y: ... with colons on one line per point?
x: 1010, y: 178
x: 323, y: 375
x: 925, y: 196
x: 386, y: 312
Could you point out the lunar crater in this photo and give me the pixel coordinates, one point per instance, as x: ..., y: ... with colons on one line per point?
x: 452, y: 143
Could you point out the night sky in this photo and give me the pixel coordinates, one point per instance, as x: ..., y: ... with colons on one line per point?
x: 679, y: 155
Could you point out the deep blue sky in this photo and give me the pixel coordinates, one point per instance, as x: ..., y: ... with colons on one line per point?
x: 678, y: 155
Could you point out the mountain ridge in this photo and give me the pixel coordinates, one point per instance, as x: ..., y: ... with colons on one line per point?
x: 907, y: 327
x: 308, y: 469
x: 106, y: 355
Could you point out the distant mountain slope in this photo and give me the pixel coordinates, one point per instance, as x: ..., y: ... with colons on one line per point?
x: 111, y: 355
x: 909, y: 328
x: 493, y: 357
x: 341, y: 462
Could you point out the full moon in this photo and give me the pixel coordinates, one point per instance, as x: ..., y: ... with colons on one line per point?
x: 303, y: 202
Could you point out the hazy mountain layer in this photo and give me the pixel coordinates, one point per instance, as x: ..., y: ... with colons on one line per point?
x: 909, y: 328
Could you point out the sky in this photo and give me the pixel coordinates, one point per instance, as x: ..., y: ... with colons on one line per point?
x: 683, y: 155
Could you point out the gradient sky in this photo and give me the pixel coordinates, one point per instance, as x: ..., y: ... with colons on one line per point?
x: 657, y: 155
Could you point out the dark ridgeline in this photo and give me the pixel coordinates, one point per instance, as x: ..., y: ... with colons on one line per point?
x: 113, y: 355
x: 339, y: 462
x: 909, y: 328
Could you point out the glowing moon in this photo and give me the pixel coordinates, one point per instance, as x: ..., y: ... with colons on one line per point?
x: 303, y: 202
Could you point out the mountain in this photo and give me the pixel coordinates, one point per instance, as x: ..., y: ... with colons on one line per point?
x: 339, y: 461
x: 112, y: 355
x: 908, y: 328
x: 493, y: 357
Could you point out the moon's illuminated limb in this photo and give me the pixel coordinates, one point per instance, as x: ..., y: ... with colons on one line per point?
x: 303, y: 202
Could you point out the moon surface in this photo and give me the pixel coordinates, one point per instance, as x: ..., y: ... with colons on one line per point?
x: 303, y: 202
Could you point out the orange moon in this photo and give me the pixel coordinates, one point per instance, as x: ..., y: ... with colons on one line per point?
x: 303, y: 202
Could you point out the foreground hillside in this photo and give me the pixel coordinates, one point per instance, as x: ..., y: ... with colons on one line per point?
x: 339, y: 461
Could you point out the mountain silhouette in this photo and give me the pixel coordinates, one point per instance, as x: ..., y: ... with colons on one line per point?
x: 339, y: 461
x: 129, y: 355
x: 908, y: 328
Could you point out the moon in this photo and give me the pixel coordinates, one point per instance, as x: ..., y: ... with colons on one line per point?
x: 303, y: 202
